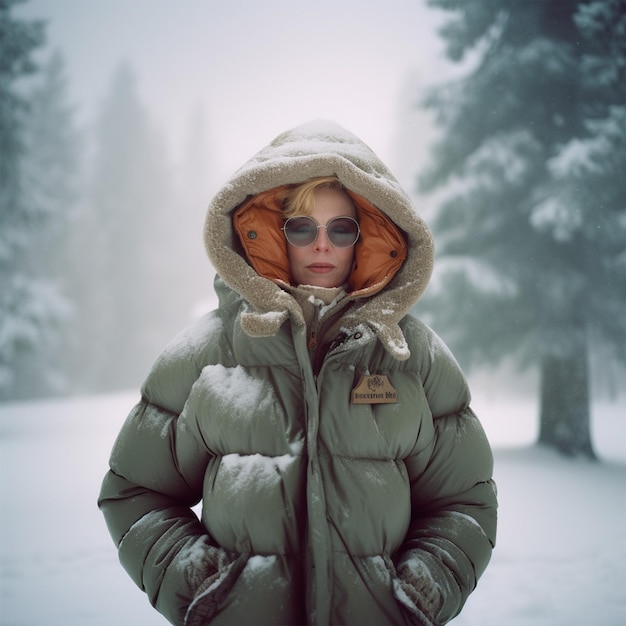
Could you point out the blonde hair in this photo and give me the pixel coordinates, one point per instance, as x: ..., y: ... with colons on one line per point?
x: 299, y: 199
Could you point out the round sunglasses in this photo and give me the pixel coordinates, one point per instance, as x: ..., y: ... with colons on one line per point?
x: 302, y: 231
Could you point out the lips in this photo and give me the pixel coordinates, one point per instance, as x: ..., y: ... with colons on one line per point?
x: 320, y: 268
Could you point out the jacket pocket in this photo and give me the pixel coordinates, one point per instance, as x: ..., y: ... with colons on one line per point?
x: 361, y: 591
x: 268, y: 592
x: 213, y: 592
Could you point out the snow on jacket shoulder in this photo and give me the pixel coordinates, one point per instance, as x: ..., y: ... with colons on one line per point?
x: 318, y: 507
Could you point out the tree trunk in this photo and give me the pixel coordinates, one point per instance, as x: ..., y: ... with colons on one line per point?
x: 565, y: 407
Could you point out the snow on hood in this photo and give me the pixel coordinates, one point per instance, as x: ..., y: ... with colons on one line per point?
x: 319, y: 148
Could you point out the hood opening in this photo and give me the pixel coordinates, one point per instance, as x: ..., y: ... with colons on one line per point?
x: 379, y: 253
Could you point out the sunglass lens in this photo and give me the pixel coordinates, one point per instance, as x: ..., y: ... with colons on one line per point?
x: 343, y: 232
x: 300, y: 231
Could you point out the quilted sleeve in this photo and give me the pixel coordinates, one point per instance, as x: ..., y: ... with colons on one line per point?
x: 156, y: 472
x: 453, y: 500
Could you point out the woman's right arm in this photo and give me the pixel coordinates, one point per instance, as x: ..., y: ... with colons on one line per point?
x: 146, y: 503
x: 156, y: 472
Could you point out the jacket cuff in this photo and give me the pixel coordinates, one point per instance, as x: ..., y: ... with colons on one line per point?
x: 214, y: 591
x: 417, y: 592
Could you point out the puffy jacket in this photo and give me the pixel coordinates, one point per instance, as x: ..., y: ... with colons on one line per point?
x: 342, y: 475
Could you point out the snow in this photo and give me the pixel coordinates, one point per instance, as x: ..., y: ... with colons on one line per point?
x: 253, y: 469
x: 258, y: 563
x: 244, y: 392
x: 560, y: 558
x: 310, y: 138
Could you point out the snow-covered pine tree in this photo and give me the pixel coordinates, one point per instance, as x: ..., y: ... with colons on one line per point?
x: 531, y: 236
x: 51, y: 169
x: 29, y: 306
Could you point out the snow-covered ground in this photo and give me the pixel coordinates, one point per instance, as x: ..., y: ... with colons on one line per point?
x: 560, y: 558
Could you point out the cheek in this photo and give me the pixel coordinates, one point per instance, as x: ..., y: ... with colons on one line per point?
x: 294, y: 256
x: 349, y: 257
x: 347, y: 262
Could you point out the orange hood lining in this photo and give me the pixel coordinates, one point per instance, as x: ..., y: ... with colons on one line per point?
x: 379, y: 253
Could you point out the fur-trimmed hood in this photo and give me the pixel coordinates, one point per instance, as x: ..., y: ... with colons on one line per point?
x: 322, y: 148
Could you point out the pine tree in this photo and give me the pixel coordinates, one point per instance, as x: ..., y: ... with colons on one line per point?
x: 50, y: 172
x: 29, y: 306
x: 195, y: 188
x: 531, y: 236
x: 130, y: 304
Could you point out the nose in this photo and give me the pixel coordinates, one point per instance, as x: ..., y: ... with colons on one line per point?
x: 322, y: 243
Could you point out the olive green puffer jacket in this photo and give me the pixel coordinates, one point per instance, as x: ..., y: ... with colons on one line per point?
x: 344, y: 481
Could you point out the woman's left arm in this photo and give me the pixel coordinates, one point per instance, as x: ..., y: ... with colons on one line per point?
x: 453, y: 528
x: 453, y: 499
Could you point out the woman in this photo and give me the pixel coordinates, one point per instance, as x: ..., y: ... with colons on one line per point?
x: 343, y: 477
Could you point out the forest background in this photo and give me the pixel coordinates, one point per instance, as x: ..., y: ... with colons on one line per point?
x: 507, y: 128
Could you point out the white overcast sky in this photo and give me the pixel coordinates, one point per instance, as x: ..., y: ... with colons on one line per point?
x: 257, y: 67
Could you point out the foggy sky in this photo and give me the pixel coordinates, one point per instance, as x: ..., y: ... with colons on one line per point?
x: 256, y: 67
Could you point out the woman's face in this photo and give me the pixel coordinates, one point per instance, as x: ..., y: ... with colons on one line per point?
x: 320, y: 263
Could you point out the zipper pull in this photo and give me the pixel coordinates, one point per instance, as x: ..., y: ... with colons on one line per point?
x: 313, y: 340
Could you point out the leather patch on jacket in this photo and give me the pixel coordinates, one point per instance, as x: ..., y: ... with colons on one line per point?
x: 374, y: 389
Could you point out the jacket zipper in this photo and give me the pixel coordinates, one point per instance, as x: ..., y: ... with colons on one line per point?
x: 318, y: 351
